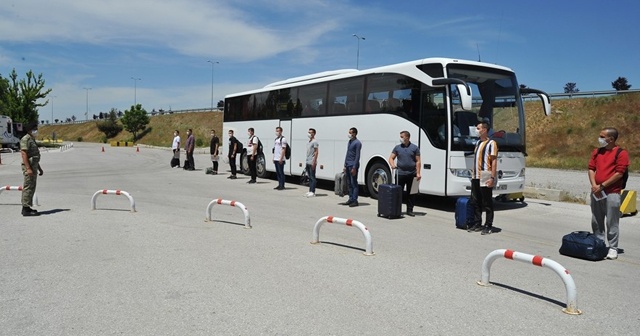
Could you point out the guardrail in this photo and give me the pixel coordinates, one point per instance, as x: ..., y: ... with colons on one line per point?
x: 591, y: 94
x: 347, y: 222
x: 19, y: 188
x: 570, y: 286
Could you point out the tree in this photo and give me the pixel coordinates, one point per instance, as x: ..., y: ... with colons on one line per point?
x: 621, y: 84
x: 73, y: 118
x: 135, y: 120
x: 18, y: 98
x: 571, y: 88
x: 221, y: 104
x: 110, y: 126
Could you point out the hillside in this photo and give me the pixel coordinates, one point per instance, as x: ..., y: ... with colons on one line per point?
x: 563, y: 140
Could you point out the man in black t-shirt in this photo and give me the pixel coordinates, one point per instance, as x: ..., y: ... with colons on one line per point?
x: 233, y: 149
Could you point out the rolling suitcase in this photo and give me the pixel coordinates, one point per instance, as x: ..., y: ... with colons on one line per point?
x: 341, y: 186
x: 464, y: 213
x: 583, y: 245
x: 390, y: 200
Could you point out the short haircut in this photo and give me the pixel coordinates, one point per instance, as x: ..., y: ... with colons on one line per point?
x: 213, y: 130
x: 484, y: 124
x: 190, y: 130
x: 177, y: 132
x: 406, y: 133
x: 279, y: 128
x: 313, y: 130
x: 231, y: 131
x: 354, y: 130
x: 612, y: 132
x: 251, y: 129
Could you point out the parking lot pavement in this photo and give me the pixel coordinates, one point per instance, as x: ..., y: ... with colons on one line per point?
x: 164, y: 270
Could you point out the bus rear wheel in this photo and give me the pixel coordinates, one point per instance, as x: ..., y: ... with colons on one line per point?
x: 244, y: 164
x: 261, y: 167
x: 376, y: 175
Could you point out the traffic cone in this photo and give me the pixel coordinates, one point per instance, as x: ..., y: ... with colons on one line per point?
x: 103, y: 148
x: 137, y: 149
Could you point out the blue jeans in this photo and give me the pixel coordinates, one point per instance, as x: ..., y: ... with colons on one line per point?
x: 311, y: 172
x: 353, y: 185
x: 280, y: 172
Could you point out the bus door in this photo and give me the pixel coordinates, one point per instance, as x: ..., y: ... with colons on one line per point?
x: 287, y: 132
x: 432, y: 141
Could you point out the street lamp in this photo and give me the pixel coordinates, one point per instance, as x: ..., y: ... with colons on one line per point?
x: 86, y: 114
x: 212, y: 63
x: 52, y: 108
x: 358, y: 53
x: 135, y: 90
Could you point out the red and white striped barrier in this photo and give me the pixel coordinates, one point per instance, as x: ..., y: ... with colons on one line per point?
x: 245, y: 211
x: 112, y: 192
x: 569, y: 284
x: 19, y: 188
x: 347, y: 222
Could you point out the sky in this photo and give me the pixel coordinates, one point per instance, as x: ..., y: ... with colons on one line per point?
x: 98, y: 55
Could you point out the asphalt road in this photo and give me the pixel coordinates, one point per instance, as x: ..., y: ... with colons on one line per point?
x: 163, y: 270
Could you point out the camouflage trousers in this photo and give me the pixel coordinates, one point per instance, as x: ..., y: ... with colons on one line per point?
x: 29, y: 185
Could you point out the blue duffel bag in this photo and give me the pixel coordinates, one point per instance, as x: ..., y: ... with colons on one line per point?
x: 583, y: 245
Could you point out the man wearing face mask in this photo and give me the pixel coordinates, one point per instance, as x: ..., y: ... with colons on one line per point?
x: 485, y: 168
x: 607, y: 166
x: 30, y: 165
x: 235, y: 147
x: 351, y: 166
x: 189, y: 148
x: 408, y: 165
x: 214, y: 146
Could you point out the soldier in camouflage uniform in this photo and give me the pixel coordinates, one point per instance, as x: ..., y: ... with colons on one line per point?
x: 30, y: 163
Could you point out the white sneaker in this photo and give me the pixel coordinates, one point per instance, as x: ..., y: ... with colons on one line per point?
x: 310, y: 194
x: 613, y: 254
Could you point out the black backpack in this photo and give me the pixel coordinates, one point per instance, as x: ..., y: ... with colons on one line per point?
x: 625, y: 176
x: 238, y: 146
x: 260, y: 147
x: 287, y: 151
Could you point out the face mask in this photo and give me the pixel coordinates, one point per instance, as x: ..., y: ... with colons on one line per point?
x: 349, y: 136
x: 34, y: 132
x: 309, y: 135
x: 401, y: 140
x: 277, y: 134
x: 602, y: 142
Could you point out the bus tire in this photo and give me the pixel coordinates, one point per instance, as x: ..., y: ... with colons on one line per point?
x: 244, y: 164
x: 261, y: 167
x: 376, y: 175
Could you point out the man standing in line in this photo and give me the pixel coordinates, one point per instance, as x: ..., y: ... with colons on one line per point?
x: 312, y: 162
x: 189, y: 147
x: 351, y: 166
x: 408, y: 155
x: 175, y: 146
x: 279, y: 160
x: 30, y: 168
x: 233, y: 149
x: 607, y: 166
x: 252, y: 152
x: 214, y: 146
x: 485, y: 170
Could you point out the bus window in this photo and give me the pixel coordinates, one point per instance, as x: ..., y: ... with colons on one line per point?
x: 345, y: 96
x: 434, y: 116
x: 312, y: 98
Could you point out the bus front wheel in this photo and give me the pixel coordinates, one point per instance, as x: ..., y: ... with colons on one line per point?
x: 244, y: 164
x: 261, y: 167
x: 376, y: 175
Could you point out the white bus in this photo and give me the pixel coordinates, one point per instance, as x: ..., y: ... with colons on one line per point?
x: 438, y: 100
x: 7, y: 137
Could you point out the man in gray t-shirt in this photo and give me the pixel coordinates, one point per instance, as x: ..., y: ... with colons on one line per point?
x: 408, y: 165
x: 312, y: 162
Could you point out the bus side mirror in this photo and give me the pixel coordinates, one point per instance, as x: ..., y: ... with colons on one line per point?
x: 546, y: 102
x: 465, y: 96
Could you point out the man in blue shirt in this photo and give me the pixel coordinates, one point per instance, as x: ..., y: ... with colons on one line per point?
x: 408, y: 166
x: 351, y: 166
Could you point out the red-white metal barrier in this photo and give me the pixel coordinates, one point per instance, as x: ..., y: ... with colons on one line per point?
x: 569, y: 284
x: 245, y: 211
x: 348, y: 222
x: 19, y: 188
x: 112, y: 192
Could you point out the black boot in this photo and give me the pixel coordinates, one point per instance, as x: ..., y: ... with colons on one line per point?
x: 27, y: 211
x: 410, y: 212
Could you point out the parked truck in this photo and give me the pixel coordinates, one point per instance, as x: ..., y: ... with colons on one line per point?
x: 8, y: 132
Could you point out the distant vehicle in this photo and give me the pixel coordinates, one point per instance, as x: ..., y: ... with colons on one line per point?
x: 438, y: 100
x: 8, y: 137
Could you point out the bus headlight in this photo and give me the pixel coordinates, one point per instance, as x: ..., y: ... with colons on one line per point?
x: 465, y: 173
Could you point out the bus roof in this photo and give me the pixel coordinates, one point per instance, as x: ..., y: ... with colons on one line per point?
x: 346, y: 73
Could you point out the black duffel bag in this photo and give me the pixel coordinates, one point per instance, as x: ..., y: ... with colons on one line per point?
x: 583, y: 245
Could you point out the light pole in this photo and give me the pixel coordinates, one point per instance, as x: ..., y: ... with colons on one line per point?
x: 212, y: 63
x: 135, y: 90
x: 52, y: 108
x: 358, y: 52
x: 86, y: 114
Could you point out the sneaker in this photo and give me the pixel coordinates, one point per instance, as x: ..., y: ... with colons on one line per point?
x: 613, y: 254
x: 346, y: 203
x: 251, y: 181
x: 487, y: 230
x: 475, y: 228
x: 233, y: 177
x: 353, y: 204
x: 310, y: 194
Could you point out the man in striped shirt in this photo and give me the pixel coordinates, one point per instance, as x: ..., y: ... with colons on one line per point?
x: 485, y: 170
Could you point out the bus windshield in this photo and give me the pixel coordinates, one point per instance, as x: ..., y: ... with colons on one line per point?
x: 494, y: 101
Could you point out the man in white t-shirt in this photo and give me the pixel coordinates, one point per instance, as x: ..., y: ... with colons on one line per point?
x: 175, y: 146
x: 279, y: 159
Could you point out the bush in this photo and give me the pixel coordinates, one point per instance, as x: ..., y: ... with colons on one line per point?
x: 79, y: 139
x: 199, y: 142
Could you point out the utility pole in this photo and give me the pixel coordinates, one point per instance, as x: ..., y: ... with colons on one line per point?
x: 86, y: 114
x: 212, y: 64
